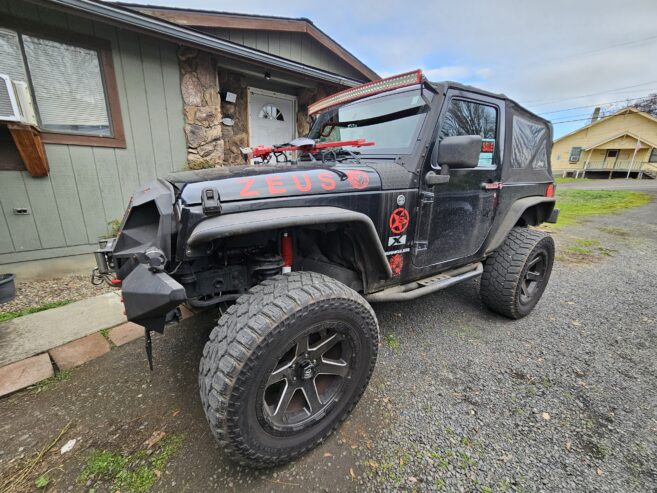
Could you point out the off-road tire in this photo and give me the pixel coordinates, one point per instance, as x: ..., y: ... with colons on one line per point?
x: 506, y: 269
x: 253, y: 328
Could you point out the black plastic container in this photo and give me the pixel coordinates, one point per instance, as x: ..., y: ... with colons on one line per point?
x: 7, y: 287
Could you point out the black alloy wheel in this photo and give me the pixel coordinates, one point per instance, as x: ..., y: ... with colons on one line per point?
x: 308, y: 378
x: 534, y: 277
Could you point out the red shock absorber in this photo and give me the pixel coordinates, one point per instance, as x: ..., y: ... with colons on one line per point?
x: 287, y: 252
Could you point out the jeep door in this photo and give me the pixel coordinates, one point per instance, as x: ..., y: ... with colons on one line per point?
x: 455, y: 217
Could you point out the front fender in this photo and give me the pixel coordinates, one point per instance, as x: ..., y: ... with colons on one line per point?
x: 241, y: 223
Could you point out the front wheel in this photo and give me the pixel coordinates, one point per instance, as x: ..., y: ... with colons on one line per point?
x: 285, y: 365
x: 516, y: 274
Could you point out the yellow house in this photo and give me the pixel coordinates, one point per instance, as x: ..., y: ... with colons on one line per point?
x: 623, y: 144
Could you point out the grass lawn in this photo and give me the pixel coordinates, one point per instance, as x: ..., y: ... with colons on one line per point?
x: 575, y: 204
x: 567, y: 179
x: 4, y: 316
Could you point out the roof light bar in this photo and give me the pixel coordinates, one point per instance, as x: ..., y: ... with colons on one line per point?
x: 369, y: 89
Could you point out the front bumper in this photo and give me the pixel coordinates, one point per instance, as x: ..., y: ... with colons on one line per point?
x: 150, y: 296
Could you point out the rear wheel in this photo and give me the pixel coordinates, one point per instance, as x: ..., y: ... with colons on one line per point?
x: 516, y: 274
x: 285, y: 365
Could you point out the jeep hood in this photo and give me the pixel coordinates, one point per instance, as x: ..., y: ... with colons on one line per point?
x: 253, y: 182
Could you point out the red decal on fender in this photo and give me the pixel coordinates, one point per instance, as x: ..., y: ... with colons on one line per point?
x: 399, y: 220
x: 246, y: 189
x: 274, y: 184
x: 302, y: 188
x: 328, y: 183
x: 396, y: 264
x: 358, y: 179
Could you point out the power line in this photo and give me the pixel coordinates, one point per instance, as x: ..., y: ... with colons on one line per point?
x: 583, y: 119
x: 595, y: 105
x: 591, y: 94
x: 582, y: 53
x: 559, y: 119
x: 612, y: 47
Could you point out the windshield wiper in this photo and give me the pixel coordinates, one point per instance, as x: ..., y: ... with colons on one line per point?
x: 417, y: 110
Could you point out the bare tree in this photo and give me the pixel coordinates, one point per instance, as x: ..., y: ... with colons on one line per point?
x: 647, y: 104
x: 466, y: 118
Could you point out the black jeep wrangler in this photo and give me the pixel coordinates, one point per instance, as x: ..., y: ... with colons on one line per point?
x: 403, y: 187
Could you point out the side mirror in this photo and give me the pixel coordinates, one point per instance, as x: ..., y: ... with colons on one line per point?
x: 459, y: 151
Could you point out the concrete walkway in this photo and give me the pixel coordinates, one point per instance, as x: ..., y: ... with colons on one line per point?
x: 29, y: 335
x: 34, y: 347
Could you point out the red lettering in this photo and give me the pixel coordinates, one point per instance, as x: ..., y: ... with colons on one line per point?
x: 328, y: 183
x: 305, y: 188
x: 246, y: 189
x: 273, y: 182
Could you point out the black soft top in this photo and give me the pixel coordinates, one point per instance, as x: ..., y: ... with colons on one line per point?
x: 527, y: 138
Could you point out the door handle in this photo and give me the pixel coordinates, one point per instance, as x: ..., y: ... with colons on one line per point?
x: 496, y: 185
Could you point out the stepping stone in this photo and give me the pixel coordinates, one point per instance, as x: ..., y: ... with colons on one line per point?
x: 24, y: 373
x: 125, y: 333
x: 80, y: 351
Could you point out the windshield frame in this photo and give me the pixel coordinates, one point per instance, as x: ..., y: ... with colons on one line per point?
x: 426, y: 92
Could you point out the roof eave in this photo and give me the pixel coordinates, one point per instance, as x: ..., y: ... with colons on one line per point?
x: 206, y: 18
x: 190, y: 37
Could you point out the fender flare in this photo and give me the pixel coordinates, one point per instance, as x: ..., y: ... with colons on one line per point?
x: 514, y: 213
x: 241, y: 223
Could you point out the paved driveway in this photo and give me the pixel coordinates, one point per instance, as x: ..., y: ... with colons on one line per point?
x: 461, y: 400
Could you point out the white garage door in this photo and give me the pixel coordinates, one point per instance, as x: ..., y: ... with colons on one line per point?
x: 272, y: 117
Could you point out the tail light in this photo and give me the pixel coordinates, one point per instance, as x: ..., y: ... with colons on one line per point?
x: 549, y: 191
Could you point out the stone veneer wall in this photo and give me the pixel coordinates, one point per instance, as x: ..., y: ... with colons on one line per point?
x: 200, y: 92
x: 209, y: 142
x: 237, y: 135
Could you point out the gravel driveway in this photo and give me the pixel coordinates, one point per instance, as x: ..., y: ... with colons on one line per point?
x: 461, y: 399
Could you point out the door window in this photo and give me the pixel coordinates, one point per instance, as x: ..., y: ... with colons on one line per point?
x: 471, y: 118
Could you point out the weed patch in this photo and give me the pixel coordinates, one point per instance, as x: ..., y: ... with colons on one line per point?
x: 392, y: 341
x: 60, y: 376
x: 134, y: 473
x: 623, y: 233
x: 4, y: 316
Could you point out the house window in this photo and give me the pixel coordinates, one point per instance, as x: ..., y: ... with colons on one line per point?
x: 470, y: 118
x: 575, y: 154
x: 653, y: 155
x: 271, y: 112
x: 72, y: 84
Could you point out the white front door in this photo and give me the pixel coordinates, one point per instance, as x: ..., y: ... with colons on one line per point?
x: 272, y: 117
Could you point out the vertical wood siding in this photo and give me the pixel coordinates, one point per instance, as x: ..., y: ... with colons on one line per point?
x: 299, y: 47
x: 90, y: 186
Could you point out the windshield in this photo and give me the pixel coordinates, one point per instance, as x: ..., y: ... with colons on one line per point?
x: 392, y: 122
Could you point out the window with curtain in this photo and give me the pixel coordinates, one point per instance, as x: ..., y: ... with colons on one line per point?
x: 66, y: 82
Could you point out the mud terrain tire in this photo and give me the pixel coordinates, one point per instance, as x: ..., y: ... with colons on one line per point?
x: 516, y: 274
x: 248, y: 348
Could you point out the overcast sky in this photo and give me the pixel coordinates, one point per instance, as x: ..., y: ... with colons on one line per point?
x: 548, y: 55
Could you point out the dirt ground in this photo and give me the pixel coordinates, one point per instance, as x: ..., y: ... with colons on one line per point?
x: 461, y: 400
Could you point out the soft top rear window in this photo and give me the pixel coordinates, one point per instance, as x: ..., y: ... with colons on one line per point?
x: 528, y: 144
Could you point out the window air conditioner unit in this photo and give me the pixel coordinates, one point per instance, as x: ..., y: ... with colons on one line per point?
x: 16, y: 102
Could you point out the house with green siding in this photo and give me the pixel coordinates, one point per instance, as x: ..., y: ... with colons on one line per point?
x: 97, y: 99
